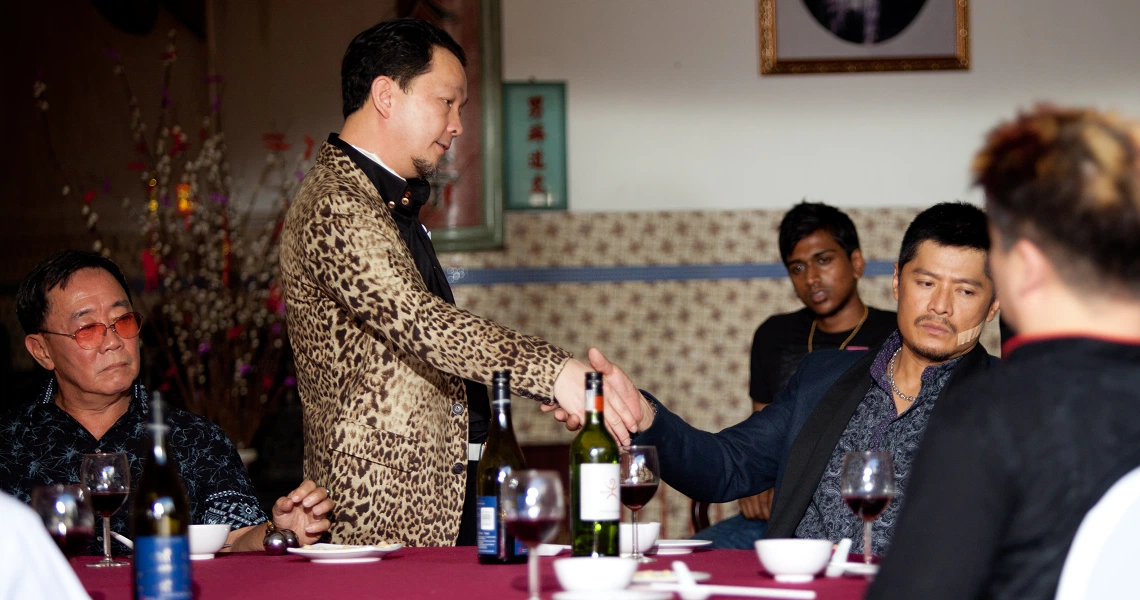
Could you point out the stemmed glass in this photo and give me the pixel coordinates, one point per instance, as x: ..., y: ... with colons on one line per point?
x: 639, y: 481
x: 66, y: 513
x: 108, y: 477
x: 867, y: 486
x: 533, y: 509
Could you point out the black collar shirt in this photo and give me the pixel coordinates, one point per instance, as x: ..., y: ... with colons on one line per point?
x: 42, y: 444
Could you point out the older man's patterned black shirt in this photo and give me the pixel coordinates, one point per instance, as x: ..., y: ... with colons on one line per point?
x: 876, y: 425
x: 42, y: 444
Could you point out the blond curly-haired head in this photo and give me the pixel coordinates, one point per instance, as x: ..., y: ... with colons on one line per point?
x: 1068, y: 179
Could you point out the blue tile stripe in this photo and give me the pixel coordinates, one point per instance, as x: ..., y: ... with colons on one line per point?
x: 464, y: 276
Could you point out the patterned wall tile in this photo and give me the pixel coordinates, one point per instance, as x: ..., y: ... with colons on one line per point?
x: 686, y: 341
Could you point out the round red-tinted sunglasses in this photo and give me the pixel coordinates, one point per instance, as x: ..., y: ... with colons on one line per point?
x: 90, y: 337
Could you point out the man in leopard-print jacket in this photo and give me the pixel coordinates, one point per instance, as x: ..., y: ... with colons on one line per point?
x: 382, y: 351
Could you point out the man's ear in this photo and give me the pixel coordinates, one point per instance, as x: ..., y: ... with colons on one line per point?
x: 39, y: 350
x: 380, y: 95
x: 1033, y: 266
x: 858, y: 265
x: 895, y: 283
x: 995, y: 306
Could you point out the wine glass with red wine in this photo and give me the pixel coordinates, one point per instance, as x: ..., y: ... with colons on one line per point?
x: 533, y: 509
x: 868, y: 485
x: 108, y: 479
x: 66, y: 513
x: 639, y: 481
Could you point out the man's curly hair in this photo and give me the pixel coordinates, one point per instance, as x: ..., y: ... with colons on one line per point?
x: 1068, y: 179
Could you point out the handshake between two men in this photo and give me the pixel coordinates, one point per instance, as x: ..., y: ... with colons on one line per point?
x: 626, y: 411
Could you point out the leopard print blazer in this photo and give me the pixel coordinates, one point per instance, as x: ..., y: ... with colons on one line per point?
x: 380, y: 361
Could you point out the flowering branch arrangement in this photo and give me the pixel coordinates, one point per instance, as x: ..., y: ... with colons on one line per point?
x: 209, y: 258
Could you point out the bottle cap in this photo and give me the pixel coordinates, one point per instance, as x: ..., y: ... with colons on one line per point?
x: 499, y: 376
x: 593, y: 377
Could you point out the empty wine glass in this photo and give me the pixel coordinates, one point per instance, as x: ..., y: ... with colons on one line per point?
x: 867, y: 486
x: 108, y: 477
x: 66, y: 513
x: 639, y: 481
x: 533, y: 509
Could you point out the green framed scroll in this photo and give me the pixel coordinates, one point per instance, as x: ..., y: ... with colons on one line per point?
x: 534, y: 145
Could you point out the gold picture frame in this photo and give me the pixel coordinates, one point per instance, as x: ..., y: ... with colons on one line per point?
x: 794, y: 39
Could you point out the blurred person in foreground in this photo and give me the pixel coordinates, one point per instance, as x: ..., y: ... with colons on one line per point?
x: 33, y: 565
x: 840, y: 401
x: 1010, y: 468
x: 76, y: 310
x: 819, y: 246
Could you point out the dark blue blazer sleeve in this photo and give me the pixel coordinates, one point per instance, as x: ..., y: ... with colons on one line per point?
x: 748, y: 457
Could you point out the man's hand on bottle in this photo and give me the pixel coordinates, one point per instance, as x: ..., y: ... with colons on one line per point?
x: 569, y: 389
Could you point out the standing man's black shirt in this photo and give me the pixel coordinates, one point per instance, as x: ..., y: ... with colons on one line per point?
x: 404, y: 199
x: 782, y: 341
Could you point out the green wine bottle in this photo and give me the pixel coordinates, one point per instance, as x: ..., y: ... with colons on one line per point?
x: 500, y: 456
x: 160, y: 521
x: 595, y: 496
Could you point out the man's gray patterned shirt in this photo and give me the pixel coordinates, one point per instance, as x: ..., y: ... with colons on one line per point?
x: 876, y: 425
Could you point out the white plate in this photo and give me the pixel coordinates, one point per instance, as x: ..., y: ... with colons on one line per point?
x: 683, y: 543
x: 614, y: 595
x: 551, y: 549
x: 345, y: 561
x: 665, y: 576
x: 343, y: 554
x: 670, y: 551
x: 201, y: 556
x: 856, y: 568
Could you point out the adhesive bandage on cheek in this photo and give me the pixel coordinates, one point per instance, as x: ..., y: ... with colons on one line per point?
x: 970, y: 334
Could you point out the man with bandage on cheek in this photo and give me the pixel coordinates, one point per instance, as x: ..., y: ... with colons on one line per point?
x: 839, y: 401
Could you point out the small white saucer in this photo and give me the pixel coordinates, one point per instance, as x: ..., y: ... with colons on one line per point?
x: 683, y: 543
x: 857, y: 568
x: 201, y: 556
x: 665, y: 576
x: 614, y: 595
x: 551, y: 549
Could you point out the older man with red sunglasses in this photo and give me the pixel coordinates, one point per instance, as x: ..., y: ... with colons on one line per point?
x: 94, y: 403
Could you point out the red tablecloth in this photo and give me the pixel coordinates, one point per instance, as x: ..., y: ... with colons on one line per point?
x: 420, y: 573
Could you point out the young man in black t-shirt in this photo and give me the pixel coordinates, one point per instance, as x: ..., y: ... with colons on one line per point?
x: 820, y: 248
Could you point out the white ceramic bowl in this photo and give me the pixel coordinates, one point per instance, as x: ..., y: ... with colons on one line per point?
x: 793, y: 560
x: 589, y: 574
x: 646, y: 536
x: 205, y: 540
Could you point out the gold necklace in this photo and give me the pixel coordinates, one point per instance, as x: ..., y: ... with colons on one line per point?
x: 811, y: 335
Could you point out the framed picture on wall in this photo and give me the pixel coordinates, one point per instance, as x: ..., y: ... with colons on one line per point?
x: 534, y: 148
x: 844, y: 36
x: 466, y: 207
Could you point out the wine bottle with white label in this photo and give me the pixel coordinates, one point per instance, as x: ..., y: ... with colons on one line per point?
x: 500, y: 456
x: 160, y: 519
x: 595, y: 492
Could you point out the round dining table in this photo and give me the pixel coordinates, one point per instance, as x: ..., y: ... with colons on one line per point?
x: 446, y: 572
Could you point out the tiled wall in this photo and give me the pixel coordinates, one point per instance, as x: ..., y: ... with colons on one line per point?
x: 687, y: 341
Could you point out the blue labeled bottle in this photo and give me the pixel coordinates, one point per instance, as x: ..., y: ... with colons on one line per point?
x: 160, y: 519
x: 500, y: 457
